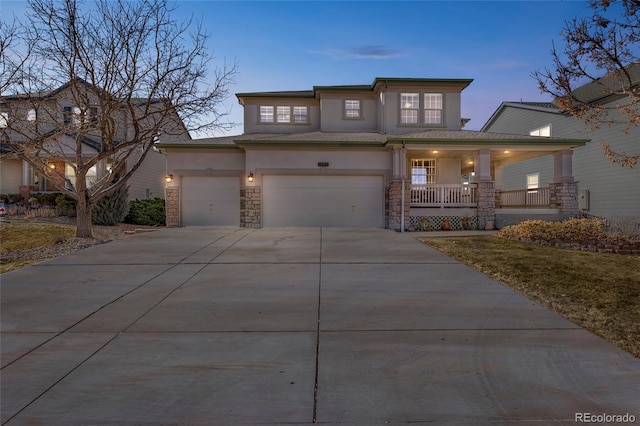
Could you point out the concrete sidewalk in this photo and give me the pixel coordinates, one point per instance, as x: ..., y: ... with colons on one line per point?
x: 338, y: 326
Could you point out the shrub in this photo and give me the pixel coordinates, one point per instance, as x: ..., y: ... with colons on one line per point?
x: 111, y: 209
x: 65, y: 204
x: 568, y: 230
x: 10, y: 198
x: 45, y: 198
x: 150, y: 212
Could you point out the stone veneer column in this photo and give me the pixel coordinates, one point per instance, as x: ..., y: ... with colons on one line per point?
x: 395, y: 204
x: 486, y: 205
x: 172, y: 206
x: 564, y: 197
x: 251, y: 207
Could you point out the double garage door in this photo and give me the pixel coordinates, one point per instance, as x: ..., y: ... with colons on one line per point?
x: 341, y: 201
x: 301, y: 200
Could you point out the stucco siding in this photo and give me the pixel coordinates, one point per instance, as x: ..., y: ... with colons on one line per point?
x: 332, y: 113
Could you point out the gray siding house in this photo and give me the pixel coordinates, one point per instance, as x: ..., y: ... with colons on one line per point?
x: 390, y: 154
x: 56, y: 110
x: 605, y: 189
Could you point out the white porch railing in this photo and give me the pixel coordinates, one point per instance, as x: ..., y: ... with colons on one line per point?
x: 527, y: 198
x: 444, y: 195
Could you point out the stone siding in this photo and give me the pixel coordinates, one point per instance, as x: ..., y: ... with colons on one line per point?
x: 172, y: 206
x: 564, y: 196
x: 486, y: 206
x: 395, y: 205
x: 251, y: 207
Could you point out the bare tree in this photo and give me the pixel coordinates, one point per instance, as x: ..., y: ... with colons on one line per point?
x: 601, y: 55
x: 98, y: 84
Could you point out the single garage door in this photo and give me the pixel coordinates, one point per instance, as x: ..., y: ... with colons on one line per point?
x: 340, y: 201
x: 208, y: 200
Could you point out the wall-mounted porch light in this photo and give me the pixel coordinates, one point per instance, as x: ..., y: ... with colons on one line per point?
x: 250, y: 177
x: 168, y: 178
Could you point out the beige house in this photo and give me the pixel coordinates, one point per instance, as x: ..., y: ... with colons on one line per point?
x: 58, y: 113
x: 391, y: 154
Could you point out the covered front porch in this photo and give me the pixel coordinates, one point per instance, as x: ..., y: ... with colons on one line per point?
x: 451, y: 179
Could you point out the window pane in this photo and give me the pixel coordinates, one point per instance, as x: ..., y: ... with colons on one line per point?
x: 433, y: 116
x: 300, y: 115
x: 266, y: 114
x: 352, y: 108
x: 409, y: 117
x: 284, y: 114
x: 409, y: 101
x: 423, y: 171
x: 433, y: 100
x: 31, y: 115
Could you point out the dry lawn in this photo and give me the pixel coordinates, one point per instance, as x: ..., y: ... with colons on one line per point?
x: 598, y: 291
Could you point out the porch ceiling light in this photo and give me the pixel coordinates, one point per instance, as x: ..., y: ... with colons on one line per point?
x: 168, y: 178
x: 250, y: 177
x: 52, y: 166
x: 507, y: 152
x: 434, y: 152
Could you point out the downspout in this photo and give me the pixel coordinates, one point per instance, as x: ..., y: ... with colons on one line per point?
x: 402, y: 199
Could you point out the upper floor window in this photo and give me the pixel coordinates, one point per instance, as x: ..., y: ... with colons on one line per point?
x: 352, y: 109
x: 433, y: 108
x: 300, y: 114
x: 542, y: 131
x: 266, y: 114
x: 409, y: 106
x: 423, y: 171
x: 533, y: 181
x: 4, y: 119
x: 75, y: 116
x: 31, y: 115
x: 414, y: 110
x: 284, y: 114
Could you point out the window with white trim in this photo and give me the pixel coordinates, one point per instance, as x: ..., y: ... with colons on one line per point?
x: 533, y: 181
x: 284, y: 114
x: 266, y: 114
x: 421, y: 108
x: 300, y: 114
x: 433, y: 108
x: 423, y: 171
x: 409, y: 107
x: 352, y: 109
x: 31, y: 115
x: 542, y: 131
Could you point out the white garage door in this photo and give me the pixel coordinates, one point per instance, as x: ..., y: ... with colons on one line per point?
x: 341, y: 201
x: 210, y: 200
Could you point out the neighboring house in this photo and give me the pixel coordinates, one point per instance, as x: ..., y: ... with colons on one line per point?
x: 54, y: 110
x: 391, y: 154
x: 606, y: 189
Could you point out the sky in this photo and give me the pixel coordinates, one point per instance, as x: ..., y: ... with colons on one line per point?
x: 295, y: 45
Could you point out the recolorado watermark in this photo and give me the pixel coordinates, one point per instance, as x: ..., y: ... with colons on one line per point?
x: 604, y: 418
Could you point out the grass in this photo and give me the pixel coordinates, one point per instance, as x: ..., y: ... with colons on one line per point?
x: 27, y: 235
x: 598, y: 291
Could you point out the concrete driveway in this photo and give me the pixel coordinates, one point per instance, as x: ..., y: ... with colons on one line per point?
x: 337, y: 326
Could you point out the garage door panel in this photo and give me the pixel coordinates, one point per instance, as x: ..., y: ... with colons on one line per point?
x: 337, y: 201
x: 213, y: 201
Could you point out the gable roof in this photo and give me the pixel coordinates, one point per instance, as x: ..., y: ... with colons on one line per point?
x: 548, y: 107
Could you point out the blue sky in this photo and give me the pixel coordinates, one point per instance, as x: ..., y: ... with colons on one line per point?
x: 294, y: 45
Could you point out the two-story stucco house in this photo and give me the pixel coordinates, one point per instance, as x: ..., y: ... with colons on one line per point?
x: 56, y: 114
x: 606, y: 189
x: 390, y: 154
